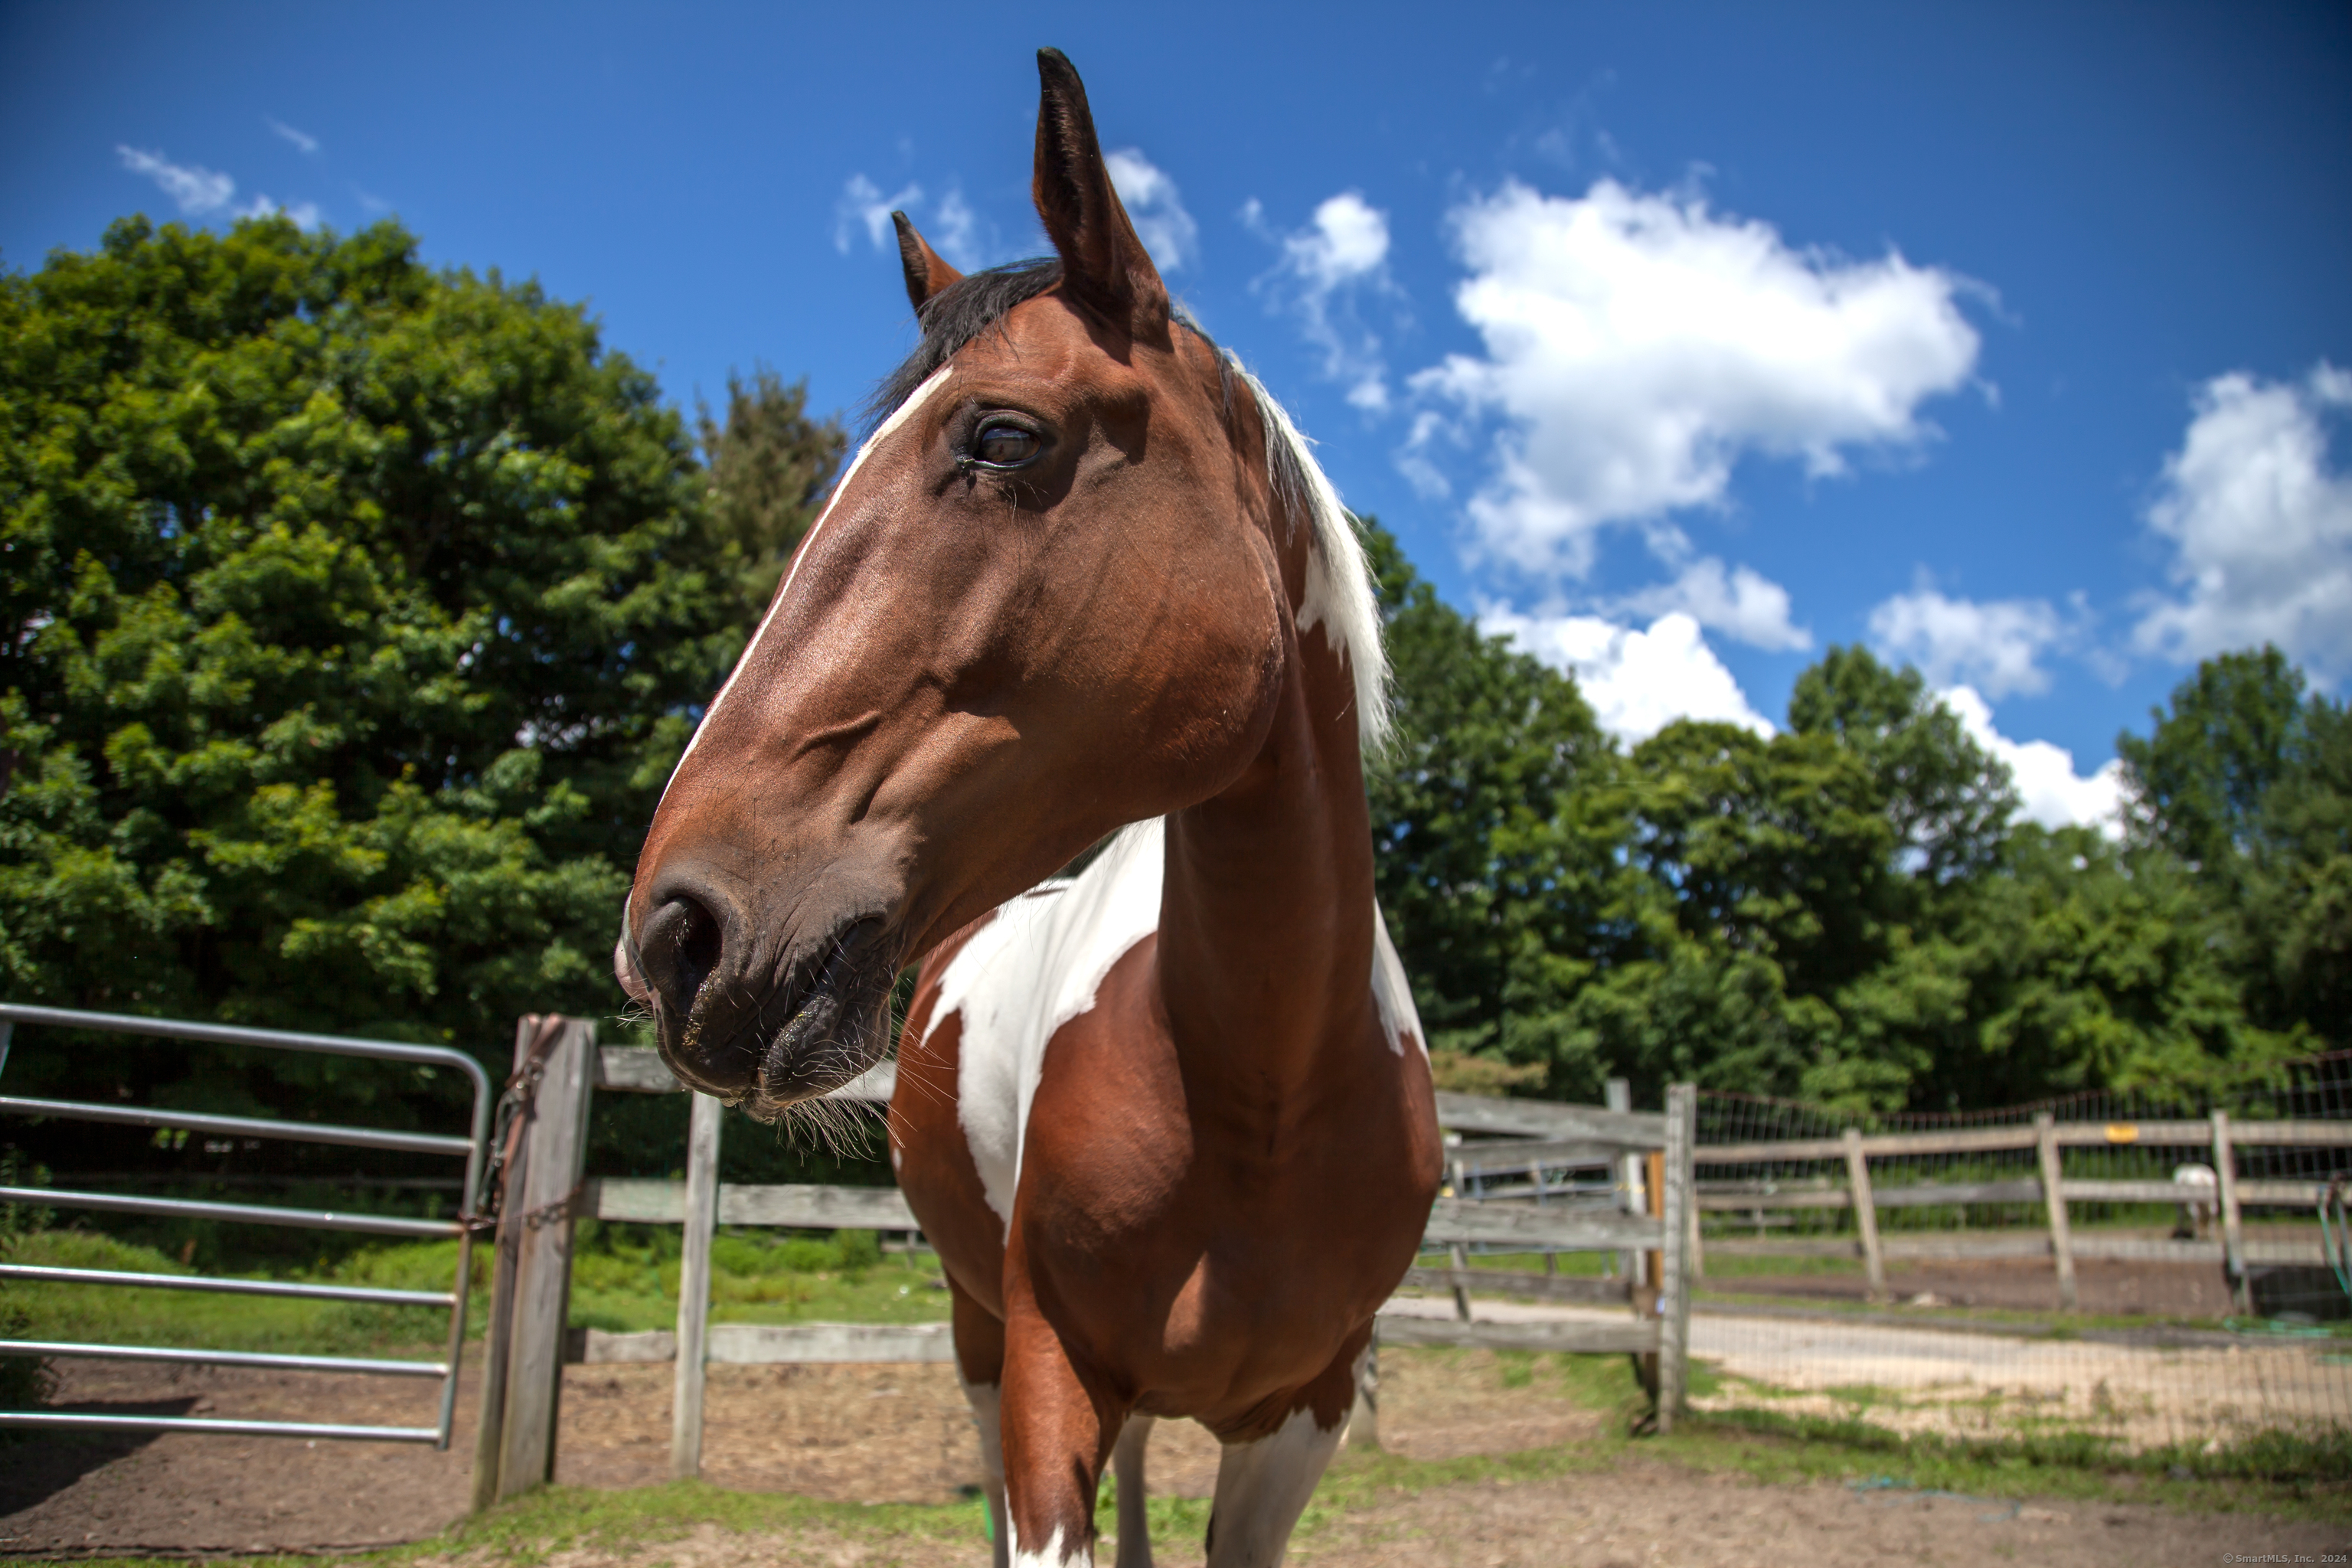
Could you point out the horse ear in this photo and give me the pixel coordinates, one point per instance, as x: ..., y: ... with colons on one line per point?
x: 926, y: 273
x: 1103, y: 262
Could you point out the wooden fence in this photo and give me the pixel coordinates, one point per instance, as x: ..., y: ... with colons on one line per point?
x: 526, y: 1341
x: 2057, y: 1240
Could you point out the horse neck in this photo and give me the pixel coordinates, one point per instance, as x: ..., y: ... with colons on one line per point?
x: 1266, y: 911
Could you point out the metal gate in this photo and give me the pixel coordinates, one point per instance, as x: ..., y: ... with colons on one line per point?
x: 472, y: 1148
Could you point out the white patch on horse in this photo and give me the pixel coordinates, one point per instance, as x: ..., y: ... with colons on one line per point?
x: 1391, y: 992
x: 1031, y: 969
x: 1338, y: 594
x: 887, y: 428
x: 1263, y: 1487
x: 1052, y: 1556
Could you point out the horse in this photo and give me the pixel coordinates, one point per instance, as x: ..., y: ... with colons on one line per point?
x: 2200, y: 1191
x: 1169, y: 1120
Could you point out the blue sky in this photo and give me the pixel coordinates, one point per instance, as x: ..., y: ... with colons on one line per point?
x: 1680, y: 342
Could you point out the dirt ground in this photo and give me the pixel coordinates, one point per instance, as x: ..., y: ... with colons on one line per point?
x: 1635, y: 1515
x: 851, y: 1434
x: 899, y: 1433
x: 2021, y: 1284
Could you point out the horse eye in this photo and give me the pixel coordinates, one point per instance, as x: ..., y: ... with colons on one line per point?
x: 1005, y: 446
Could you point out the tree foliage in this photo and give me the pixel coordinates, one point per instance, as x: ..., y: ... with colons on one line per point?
x: 770, y: 466
x: 2245, y: 780
x: 353, y: 615
x: 1849, y: 910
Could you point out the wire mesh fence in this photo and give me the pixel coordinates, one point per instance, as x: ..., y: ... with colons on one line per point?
x: 2141, y: 1270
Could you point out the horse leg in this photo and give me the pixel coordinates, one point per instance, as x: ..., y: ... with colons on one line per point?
x: 1263, y: 1485
x: 980, y: 1367
x: 1058, y: 1430
x: 1126, y: 1464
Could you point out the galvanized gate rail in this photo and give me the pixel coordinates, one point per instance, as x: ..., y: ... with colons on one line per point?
x: 473, y: 1148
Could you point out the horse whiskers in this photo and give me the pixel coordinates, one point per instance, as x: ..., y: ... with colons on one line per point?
x: 840, y: 1128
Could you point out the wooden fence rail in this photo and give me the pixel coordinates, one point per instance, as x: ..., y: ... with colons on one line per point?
x: 2218, y: 1137
x: 2071, y: 1135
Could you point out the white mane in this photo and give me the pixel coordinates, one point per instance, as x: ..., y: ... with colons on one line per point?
x: 1338, y: 596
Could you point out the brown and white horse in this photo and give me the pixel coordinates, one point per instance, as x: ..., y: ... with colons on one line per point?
x: 1169, y: 1122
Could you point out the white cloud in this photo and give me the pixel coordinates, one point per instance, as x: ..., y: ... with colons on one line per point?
x: 2261, y: 524
x: 2049, y: 789
x: 1349, y: 240
x: 1995, y: 646
x: 1637, y: 682
x: 1637, y: 346
x: 955, y: 230
x: 1155, y: 207
x: 863, y: 205
x: 1742, y: 602
x: 197, y: 190
x: 951, y: 227
x: 304, y: 213
x: 1323, y: 269
x: 302, y: 139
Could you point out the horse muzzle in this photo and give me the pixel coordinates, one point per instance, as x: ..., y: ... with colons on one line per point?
x: 760, y: 1036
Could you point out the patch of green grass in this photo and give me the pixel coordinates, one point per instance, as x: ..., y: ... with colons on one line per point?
x: 2048, y: 1323
x: 620, y: 1282
x: 1590, y: 1265
x: 1739, y: 1265
x: 627, y: 1277
x: 130, y: 1315
x: 2306, y: 1474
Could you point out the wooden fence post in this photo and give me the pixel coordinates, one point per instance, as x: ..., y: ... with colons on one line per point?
x: 1673, y: 1265
x: 2233, y: 1234
x: 1653, y: 1190
x: 497, y: 1332
x: 1457, y: 1257
x: 1865, y: 1212
x: 2053, y: 1203
x: 551, y: 1186
x: 694, y: 1288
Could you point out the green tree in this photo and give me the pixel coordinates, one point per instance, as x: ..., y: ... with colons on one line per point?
x: 2299, y: 896
x: 770, y: 466
x: 2091, y: 965
x: 1948, y: 801
x: 2246, y: 779
x: 354, y: 613
x: 1815, y: 878
x: 2199, y: 778
x: 1495, y: 830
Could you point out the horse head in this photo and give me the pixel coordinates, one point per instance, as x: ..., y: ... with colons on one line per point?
x: 1051, y: 595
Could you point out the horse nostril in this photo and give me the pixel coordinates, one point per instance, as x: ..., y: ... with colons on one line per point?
x: 678, y: 950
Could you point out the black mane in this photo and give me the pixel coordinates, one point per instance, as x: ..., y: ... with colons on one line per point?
x: 953, y: 317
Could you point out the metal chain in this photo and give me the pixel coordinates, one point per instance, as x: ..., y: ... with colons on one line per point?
x: 515, y: 1108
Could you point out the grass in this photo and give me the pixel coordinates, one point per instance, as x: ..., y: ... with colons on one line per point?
x: 622, y: 1280
x: 129, y: 1315
x: 625, y: 1277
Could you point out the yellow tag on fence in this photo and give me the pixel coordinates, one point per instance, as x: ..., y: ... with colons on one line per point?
x: 2123, y: 1132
